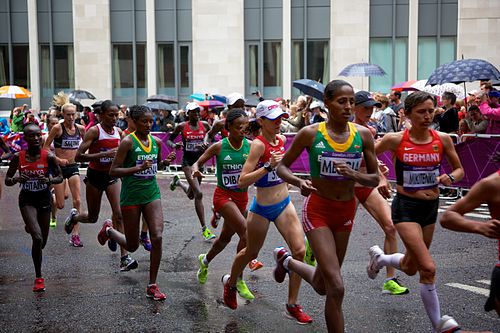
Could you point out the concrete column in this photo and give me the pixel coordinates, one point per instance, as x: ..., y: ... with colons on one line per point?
x: 413, y: 40
x: 218, y: 46
x: 92, y: 47
x: 349, y: 38
x: 287, y: 49
x: 33, y: 54
x: 151, y: 46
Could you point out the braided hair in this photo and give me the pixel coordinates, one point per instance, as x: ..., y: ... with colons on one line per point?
x: 106, y: 106
x: 232, y: 115
x: 332, y: 88
x: 137, y: 111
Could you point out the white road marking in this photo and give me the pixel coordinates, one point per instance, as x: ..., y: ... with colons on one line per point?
x: 476, y: 290
x: 488, y: 282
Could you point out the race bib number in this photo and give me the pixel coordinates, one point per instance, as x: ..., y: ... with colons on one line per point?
x: 34, y: 185
x: 193, y: 146
x: 420, y: 177
x: 70, y: 143
x: 147, y: 173
x: 273, y: 177
x: 230, y: 179
x: 328, y: 159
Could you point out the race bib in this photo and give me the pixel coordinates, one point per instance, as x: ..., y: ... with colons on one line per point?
x: 194, y: 146
x: 106, y: 159
x: 230, y: 179
x: 34, y: 185
x: 328, y: 159
x: 148, y: 173
x: 70, y: 143
x: 273, y: 177
x: 420, y: 177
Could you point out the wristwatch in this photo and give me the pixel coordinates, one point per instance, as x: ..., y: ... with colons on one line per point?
x: 268, y: 166
x: 451, y: 177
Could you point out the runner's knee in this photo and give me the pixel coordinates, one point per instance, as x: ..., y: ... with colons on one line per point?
x: 390, y: 231
x: 298, y: 252
x: 428, y: 271
x: 198, y: 195
x: 76, y: 202
x: 156, y: 240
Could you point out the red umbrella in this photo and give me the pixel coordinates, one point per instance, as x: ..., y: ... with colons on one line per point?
x: 210, y: 104
x: 405, y: 86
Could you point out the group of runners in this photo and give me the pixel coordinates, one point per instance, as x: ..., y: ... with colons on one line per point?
x: 344, y: 171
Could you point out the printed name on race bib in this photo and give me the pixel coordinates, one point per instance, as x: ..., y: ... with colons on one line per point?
x: 194, y: 145
x: 420, y: 177
x: 230, y: 178
x: 106, y: 159
x: 70, y: 143
x: 328, y: 159
x: 148, y: 173
x: 34, y: 185
x: 273, y: 177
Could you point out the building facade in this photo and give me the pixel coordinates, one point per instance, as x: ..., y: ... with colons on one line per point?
x: 127, y: 50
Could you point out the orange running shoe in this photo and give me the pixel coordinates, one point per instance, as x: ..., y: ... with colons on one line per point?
x: 255, y: 265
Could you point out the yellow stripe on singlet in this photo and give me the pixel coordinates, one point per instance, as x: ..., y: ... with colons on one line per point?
x: 147, y: 150
x: 338, y: 147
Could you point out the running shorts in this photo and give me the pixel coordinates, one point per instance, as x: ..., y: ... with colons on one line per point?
x: 362, y: 193
x: 270, y: 212
x: 407, y: 209
x: 188, y: 159
x: 70, y: 170
x: 41, y: 200
x: 99, y: 179
x: 320, y: 212
x: 222, y: 196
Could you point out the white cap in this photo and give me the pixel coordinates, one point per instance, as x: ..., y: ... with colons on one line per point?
x: 317, y: 104
x: 234, y: 97
x: 192, y: 106
x: 270, y: 110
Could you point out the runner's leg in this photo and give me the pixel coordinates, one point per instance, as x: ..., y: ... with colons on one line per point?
x: 153, y: 215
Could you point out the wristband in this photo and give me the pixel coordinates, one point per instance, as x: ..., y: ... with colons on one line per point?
x: 451, y: 177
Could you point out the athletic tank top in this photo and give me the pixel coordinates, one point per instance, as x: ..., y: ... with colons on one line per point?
x: 104, y: 142
x: 417, y: 165
x: 141, y: 187
x: 34, y: 170
x: 271, y: 178
x: 193, y: 139
x: 229, y: 164
x: 67, y: 141
x: 324, y: 152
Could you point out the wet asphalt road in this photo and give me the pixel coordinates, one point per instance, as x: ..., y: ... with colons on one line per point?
x: 86, y: 292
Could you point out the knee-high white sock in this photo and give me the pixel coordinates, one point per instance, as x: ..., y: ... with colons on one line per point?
x: 393, y: 260
x: 431, y: 303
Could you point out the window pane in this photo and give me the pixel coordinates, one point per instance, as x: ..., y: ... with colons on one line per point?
x: 123, y: 78
x: 141, y: 68
x: 400, y: 61
x: 297, y: 64
x: 4, y: 65
x: 253, y: 68
x: 45, y: 66
x: 184, y: 66
x: 446, y: 50
x: 166, y: 73
x: 426, y: 57
x: 381, y: 54
x: 272, y: 70
x: 21, y: 63
x: 318, y: 61
x: 63, y: 67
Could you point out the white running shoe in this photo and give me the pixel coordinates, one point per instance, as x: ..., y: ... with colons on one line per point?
x: 372, y: 269
x: 447, y: 325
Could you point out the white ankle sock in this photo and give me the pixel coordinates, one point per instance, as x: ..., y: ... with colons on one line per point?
x: 393, y: 260
x: 204, y: 260
x: 286, y: 261
x: 431, y: 303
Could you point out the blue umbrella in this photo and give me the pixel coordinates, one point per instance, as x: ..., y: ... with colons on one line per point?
x: 362, y: 69
x: 310, y: 87
x: 464, y: 70
x: 198, y: 97
x: 159, y: 106
x: 219, y: 98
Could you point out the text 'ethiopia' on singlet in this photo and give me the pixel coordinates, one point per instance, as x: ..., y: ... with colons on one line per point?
x: 67, y: 141
x: 141, y: 187
x: 271, y: 179
x: 230, y: 163
x: 325, y: 152
x: 193, y: 138
x: 104, y: 142
x: 417, y: 165
x: 35, y: 171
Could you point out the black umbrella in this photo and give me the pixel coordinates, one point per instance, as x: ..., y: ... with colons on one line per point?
x: 162, y: 98
x: 159, y: 106
x: 495, y: 83
x: 80, y: 94
x: 252, y: 101
x: 310, y: 87
x: 464, y: 70
x: 97, y: 104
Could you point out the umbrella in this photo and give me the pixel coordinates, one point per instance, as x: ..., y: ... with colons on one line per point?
x: 464, y: 70
x: 210, y: 104
x: 495, y: 83
x: 362, y: 69
x: 405, y: 86
x: 14, y: 92
x: 198, y: 97
x: 252, y: 101
x: 162, y: 98
x: 438, y: 90
x: 310, y: 87
x: 97, y: 104
x: 159, y: 106
x: 219, y: 98
x: 80, y: 94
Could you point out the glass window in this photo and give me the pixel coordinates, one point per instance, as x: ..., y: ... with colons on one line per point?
x: 382, y: 54
x: 272, y: 70
x: 318, y: 68
x: 141, y: 71
x: 297, y: 64
x: 21, y: 63
x: 253, y: 68
x: 4, y: 65
x: 427, y: 59
x: 447, y: 51
x: 400, y: 61
x: 184, y: 66
x: 166, y: 69
x: 45, y: 66
x: 123, y: 76
x: 64, y: 72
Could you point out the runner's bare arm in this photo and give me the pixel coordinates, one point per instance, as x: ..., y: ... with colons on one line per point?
x: 213, y: 150
x: 390, y: 141
x: 453, y: 159
x: 170, y: 142
x: 117, y: 169
x: 89, y: 137
x: 161, y: 164
x: 216, y: 128
x: 248, y: 174
x: 371, y: 177
x: 56, y: 131
x: 10, y: 177
x: 55, y: 170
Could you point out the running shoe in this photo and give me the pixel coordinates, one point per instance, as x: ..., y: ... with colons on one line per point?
x: 208, y: 235
x: 393, y: 287
x: 144, y: 240
x: 229, y: 293
x: 243, y: 290
x: 214, y: 221
x: 372, y: 268
x: 174, y: 181
x: 154, y: 292
x: 203, y: 270
x: 68, y: 223
x: 76, y: 241
x: 127, y: 263
x: 53, y: 222
x: 112, y: 245
x: 297, y: 313
x: 255, y: 265
x: 447, y: 325
x: 39, y: 285
x: 280, y: 254
x: 103, y: 236
x: 309, y: 257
